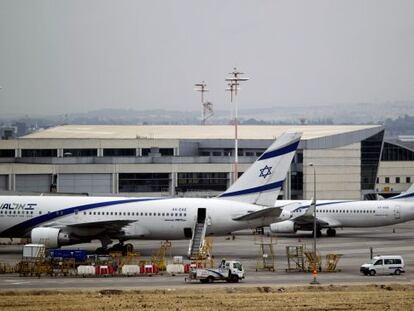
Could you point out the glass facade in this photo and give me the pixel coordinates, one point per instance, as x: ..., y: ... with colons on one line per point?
x: 119, y: 152
x: 393, y: 152
x: 166, y: 152
x: 370, y: 156
x: 80, y: 152
x: 26, y: 153
x: 7, y: 153
x: 202, y: 181
x: 144, y: 182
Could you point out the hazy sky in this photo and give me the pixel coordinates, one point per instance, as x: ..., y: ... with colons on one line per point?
x: 75, y: 56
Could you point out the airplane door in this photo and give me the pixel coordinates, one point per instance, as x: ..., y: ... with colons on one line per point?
x: 397, y: 212
x: 201, y: 215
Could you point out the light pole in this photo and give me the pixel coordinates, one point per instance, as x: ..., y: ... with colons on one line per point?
x: 202, y: 88
x: 233, y: 87
x: 315, y: 267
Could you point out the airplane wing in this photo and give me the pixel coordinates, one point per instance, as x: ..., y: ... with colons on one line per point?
x: 108, y: 225
x: 270, y: 212
x: 96, y: 227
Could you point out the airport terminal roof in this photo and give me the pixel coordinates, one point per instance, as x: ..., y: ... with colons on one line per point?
x: 195, y: 131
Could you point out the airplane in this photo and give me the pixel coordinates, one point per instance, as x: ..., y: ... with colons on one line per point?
x: 67, y: 220
x: 298, y: 214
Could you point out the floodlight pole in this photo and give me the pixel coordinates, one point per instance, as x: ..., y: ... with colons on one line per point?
x: 233, y: 87
x: 202, y: 88
x: 315, y: 268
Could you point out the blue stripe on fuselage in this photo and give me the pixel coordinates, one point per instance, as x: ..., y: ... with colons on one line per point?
x: 279, y: 152
x: 33, y: 222
x: 402, y: 196
x: 271, y: 186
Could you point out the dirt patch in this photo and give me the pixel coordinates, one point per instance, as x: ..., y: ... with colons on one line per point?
x: 330, y: 297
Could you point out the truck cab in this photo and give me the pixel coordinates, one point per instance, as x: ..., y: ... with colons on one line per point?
x: 229, y: 271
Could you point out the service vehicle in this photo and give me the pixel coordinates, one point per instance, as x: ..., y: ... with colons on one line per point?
x: 229, y: 271
x: 384, y: 265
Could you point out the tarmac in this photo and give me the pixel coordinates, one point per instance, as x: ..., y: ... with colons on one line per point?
x: 353, y: 244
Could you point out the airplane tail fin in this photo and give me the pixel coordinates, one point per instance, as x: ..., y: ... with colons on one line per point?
x: 262, y: 181
x: 408, y: 195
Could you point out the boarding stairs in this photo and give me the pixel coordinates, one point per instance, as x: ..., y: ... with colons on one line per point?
x: 197, y: 240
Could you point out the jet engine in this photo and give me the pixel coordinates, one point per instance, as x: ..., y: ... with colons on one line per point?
x: 51, y: 237
x: 286, y: 226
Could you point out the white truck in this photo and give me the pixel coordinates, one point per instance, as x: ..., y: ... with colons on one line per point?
x: 384, y: 265
x: 229, y: 271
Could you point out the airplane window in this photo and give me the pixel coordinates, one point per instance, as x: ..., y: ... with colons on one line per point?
x: 112, y: 213
x: 181, y: 214
x: 146, y: 214
x: 150, y: 214
x: 14, y: 212
x: 168, y: 214
x: 40, y: 212
x: 129, y: 213
x: 18, y: 212
x: 1, y: 212
x: 99, y: 213
x: 142, y: 214
x: 94, y: 213
x: 124, y: 213
x: 163, y: 214
x: 185, y: 214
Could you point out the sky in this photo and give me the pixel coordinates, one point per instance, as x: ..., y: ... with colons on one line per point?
x: 61, y: 57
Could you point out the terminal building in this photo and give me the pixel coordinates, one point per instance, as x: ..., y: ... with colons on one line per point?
x: 174, y: 160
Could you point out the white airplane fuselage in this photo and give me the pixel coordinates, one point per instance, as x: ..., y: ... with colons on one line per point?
x: 150, y: 218
x: 351, y: 213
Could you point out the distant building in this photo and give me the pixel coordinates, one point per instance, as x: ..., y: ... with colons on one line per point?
x: 8, y: 132
x: 396, y: 171
x: 186, y: 160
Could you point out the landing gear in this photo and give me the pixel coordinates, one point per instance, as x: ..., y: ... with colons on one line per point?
x: 105, y: 241
x: 331, y: 232
x: 101, y: 251
x: 123, y: 248
x: 318, y: 233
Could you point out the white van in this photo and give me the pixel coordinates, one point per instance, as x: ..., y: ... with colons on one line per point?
x: 384, y: 265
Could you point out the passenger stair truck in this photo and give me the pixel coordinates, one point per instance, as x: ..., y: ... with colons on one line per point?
x: 229, y: 271
x: 199, y: 233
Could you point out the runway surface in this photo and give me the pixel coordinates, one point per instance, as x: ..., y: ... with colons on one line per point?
x: 353, y: 244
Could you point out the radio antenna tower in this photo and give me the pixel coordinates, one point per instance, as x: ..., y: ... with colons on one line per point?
x: 206, y: 107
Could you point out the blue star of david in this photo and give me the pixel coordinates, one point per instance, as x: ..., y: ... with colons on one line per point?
x: 266, y: 171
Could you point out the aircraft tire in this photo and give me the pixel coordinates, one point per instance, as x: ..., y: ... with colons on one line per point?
x: 331, y: 232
